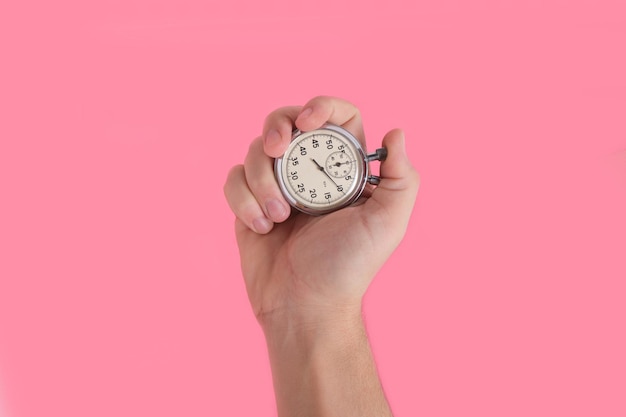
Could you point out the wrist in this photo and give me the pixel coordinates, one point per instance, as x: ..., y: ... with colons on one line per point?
x: 322, y: 363
x: 309, y: 325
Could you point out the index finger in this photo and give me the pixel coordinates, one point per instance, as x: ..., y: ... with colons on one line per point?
x: 317, y: 111
x: 325, y: 109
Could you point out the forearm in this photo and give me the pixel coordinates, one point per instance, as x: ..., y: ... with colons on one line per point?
x: 324, y: 367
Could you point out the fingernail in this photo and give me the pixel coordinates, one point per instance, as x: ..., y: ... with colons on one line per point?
x: 261, y: 225
x: 272, y: 137
x: 306, y: 113
x: 276, y: 210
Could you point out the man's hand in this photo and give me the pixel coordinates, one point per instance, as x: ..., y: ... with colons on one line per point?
x: 306, y: 266
x: 306, y: 276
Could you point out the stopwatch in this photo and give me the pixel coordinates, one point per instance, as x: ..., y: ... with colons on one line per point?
x: 324, y: 170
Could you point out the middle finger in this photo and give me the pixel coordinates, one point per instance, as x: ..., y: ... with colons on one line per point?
x: 259, y: 169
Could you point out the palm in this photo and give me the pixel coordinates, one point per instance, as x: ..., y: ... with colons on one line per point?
x: 306, y: 259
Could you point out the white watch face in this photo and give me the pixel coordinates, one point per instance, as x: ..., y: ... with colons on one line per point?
x: 322, y: 170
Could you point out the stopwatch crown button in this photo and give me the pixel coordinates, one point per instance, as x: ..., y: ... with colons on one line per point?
x: 379, y: 155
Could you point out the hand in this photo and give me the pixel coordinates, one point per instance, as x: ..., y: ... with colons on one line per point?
x: 305, y: 269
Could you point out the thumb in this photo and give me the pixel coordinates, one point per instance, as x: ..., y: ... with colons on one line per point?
x: 395, y: 196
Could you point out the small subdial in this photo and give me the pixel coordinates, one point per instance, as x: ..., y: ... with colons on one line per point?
x: 339, y: 164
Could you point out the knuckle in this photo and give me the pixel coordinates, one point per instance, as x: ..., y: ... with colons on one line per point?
x: 255, y: 146
x: 248, y: 212
x: 320, y: 98
x: 235, y: 173
x: 279, y: 114
x: 414, y: 177
x: 261, y: 184
x: 268, y: 119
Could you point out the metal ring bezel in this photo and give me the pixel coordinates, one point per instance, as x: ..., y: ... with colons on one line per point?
x: 356, y: 192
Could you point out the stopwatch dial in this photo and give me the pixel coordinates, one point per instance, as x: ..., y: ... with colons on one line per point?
x: 311, y: 174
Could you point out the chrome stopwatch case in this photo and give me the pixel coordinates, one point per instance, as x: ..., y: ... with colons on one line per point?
x: 324, y: 170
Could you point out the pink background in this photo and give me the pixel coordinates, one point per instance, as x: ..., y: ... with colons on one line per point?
x: 120, y: 289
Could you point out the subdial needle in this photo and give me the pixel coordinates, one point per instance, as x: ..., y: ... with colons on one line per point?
x: 338, y: 164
